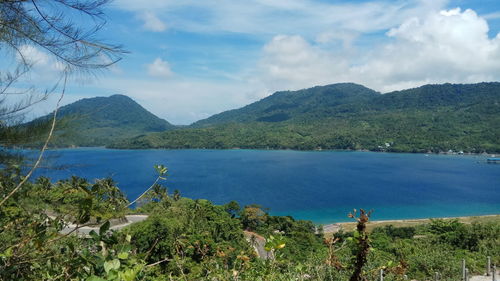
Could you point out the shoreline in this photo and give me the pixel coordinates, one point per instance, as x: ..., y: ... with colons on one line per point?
x: 348, y: 226
x: 453, y: 153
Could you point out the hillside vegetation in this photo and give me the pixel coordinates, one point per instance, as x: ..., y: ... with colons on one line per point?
x: 431, y: 118
x: 101, y: 120
x: 185, y: 239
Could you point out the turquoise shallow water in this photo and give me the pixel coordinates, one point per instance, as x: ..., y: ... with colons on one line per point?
x: 320, y: 186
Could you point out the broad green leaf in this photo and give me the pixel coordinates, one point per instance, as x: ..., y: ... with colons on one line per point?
x: 123, y: 255
x: 104, y: 228
x: 112, y: 264
x: 93, y: 234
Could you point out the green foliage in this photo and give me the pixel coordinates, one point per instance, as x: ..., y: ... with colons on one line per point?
x: 80, y: 200
x: 193, y: 232
x: 395, y: 232
x: 232, y: 208
x: 253, y: 217
x: 307, y: 104
x: 474, y: 237
x: 432, y: 118
x: 101, y: 120
x: 439, y: 246
x: 16, y: 135
x: 440, y: 226
x: 185, y: 239
x: 300, y: 237
x: 111, y: 257
x: 31, y: 245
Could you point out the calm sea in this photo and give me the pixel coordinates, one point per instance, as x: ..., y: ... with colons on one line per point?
x: 319, y: 186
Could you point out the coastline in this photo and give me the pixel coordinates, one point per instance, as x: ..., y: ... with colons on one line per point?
x: 349, y: 226
x: 444, y: 153
x: 455, y: 153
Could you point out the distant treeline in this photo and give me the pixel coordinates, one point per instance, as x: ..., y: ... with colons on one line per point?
x: 432, y: 118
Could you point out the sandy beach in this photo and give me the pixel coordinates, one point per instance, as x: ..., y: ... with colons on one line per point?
x: 349, y: 226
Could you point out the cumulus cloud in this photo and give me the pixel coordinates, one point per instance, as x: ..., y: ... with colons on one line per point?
x: 159, y: 68
x: 32, y: 55
x: 292, y: 61
x: 43, y: 68
x: 151, y: 22
x: 447, y: 46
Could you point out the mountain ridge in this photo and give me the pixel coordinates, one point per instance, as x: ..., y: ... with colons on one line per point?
x: 399, y: 98
x: 430, y: 118
x: 268, y: 104
x: 98, y: 121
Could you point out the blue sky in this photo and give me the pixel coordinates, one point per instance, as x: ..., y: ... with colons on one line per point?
x: 191, y: 59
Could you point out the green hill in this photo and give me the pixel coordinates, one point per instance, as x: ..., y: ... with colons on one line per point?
x: 101, y: 120
x: 314, y: 103
x: 348, y: 116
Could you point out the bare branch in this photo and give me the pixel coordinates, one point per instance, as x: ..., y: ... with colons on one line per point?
x: 144, y: 193
x: 23, y: 181
x: 27, y: 22
x: 158, y: 262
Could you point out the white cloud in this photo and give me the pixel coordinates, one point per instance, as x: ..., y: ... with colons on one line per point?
x: 346, y: 38
x: 449, y: 46
x: 159, y: 68
x: 492, y: 16
x: 32, y: 55
x: 290, y: 62
x: 271, y: 17
x: 152, y: 22
x: 446, y: 46
x: 44, y: 68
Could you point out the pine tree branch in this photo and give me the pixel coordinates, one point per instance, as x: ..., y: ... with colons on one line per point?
x: 46, y: 144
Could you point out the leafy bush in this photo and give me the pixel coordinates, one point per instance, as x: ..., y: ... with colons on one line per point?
x: 185, y: 239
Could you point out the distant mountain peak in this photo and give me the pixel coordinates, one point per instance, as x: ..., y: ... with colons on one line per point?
x: 120, y: 96
x: 343, y: 84
x: 98, y: 121
x: 294, y: 105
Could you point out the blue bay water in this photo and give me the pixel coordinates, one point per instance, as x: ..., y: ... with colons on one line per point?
x: 319, y: 186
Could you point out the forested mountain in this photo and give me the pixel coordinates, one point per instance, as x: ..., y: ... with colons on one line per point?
x: 340, y: 99
x: 314, y: 103
x: 348, y: 116
x: 99, y: 121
